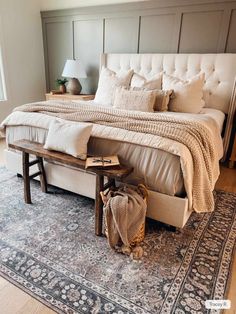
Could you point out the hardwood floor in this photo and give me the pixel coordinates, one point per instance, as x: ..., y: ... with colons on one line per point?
x: 15, y: 301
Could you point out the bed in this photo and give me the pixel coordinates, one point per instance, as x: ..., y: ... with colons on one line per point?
x: 159, y: 170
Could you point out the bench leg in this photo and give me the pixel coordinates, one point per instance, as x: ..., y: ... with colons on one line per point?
x: 25, y: 160
x: 43, y: 179
x: 99, y: 205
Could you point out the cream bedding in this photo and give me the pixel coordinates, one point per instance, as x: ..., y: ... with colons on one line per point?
x: 206, y: 113
x: 196, y: 143
x: 158, y: 169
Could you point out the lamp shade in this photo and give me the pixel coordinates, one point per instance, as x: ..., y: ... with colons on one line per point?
x: 74, y: 69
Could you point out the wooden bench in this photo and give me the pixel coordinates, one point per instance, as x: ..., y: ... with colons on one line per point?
x: 112, y: 173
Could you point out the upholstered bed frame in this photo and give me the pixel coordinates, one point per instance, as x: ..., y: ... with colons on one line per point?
x: 220, y: 93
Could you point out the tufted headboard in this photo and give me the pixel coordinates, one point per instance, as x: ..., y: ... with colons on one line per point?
x: 219, y: 69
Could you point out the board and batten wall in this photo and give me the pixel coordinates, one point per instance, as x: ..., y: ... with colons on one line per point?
x: 171, y: 26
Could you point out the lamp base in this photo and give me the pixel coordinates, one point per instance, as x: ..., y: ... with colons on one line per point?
x: 74, y: 87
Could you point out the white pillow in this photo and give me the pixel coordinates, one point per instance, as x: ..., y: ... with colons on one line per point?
x: 188, y: 95
x: 69, y: 137
x: 140, y: 100
x: 140, y: 81
x: 108, y: 82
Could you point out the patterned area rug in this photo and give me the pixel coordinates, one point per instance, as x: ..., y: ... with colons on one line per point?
x: 50, y: 251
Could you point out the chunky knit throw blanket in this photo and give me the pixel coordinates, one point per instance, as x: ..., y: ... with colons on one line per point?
x: 194, y: 135
x: 125, y: 213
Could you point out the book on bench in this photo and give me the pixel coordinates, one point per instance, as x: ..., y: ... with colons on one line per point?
x: 107, y: 161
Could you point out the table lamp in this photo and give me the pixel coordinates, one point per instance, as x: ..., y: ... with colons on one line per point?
x: 73, y: 70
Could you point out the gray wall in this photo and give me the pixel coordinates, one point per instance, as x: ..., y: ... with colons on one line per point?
x: 171, y: 26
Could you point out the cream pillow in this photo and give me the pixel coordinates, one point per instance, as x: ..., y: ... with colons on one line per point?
x: 188, y: 95
x: 162, y: 98
x: 140, y: 81
x: 69, y: 137
x: 108, y: 82
x: 128, y: 99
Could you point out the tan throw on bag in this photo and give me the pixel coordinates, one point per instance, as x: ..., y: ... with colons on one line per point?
x: 125, y: 212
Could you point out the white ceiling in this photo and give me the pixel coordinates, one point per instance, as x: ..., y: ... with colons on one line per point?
x: 62, y: 4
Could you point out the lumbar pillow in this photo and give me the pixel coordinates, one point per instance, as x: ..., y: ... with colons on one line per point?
x: 162, y: 98
x: 150, y: 84
x: 108, y: 82
x: 69, y: 137
x: 140, y: 100
x: 188, y: 95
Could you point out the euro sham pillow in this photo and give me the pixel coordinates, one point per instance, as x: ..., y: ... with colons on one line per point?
x: 187, y: 96
x: 108, y: 82
x: 148, y: 83
x: 69, y: 137
x: 162, y: 98
x: 138, y: 100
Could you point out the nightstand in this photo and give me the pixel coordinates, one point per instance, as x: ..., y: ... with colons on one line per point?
x: 67, y: 96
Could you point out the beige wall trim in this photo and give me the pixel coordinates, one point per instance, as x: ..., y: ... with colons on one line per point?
x: 142, y: 5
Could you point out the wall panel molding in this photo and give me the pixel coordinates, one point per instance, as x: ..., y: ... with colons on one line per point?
x: 224, y: 30
x: 121, y: 34
x: 200, y: 31
x: 231, y: 42
x: 152, y: 38
x: 88, y: 46
x: 59, y: 48
x: 168, y: 26
x: 140, y: 6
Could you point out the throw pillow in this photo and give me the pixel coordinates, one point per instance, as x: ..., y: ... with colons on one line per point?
x: 152, y: 83
x: 108, y: 82
x: 69, y: 137
x: 188, y: 95
x: 162, y: 98
x: 141, y: 100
